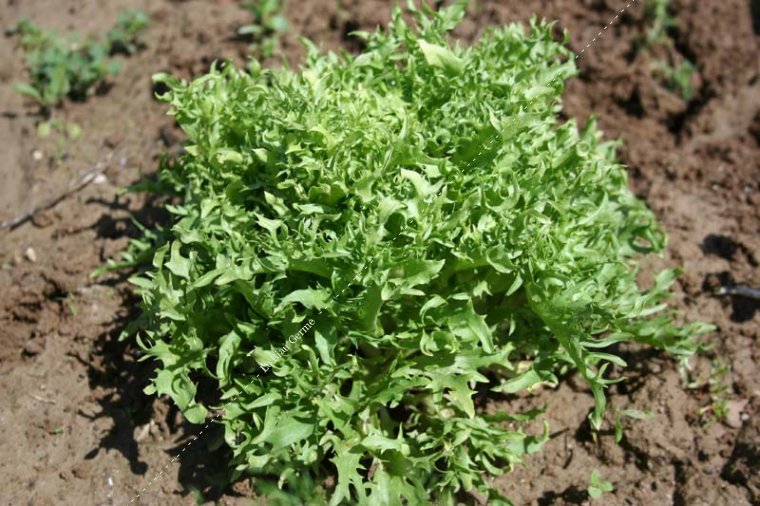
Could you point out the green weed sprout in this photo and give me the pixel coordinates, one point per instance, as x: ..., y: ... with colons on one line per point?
x: 597, y: 486
x: 123, y: 37
x: 719, y: 387
x: 659, y: 15
x: 67, y: 66
x: 268, y: 24
x: 366, y: 248
x: 677, y: 77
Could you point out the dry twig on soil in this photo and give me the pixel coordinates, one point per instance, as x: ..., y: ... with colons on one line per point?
x: 78, y: 184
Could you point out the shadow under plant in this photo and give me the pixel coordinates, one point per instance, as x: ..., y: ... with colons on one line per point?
x: 114, y: 366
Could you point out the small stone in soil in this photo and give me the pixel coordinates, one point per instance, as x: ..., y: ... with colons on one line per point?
x: 30, y: 254
x: 734, y: 415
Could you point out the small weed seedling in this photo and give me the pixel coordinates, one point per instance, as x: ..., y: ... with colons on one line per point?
x: 268, y: 24
x: 720, y: 389
x: 659, y: 16
x: 123, y: 37
x: 597, y: 486
x: 62, y: 66
x: 676, y: 76
x: 69, y: 131
x: 63, y: 133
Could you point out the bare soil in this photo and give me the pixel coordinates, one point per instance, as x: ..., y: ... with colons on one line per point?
x: 76, y: 427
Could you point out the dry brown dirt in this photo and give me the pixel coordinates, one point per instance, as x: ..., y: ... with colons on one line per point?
x: 76, y: 428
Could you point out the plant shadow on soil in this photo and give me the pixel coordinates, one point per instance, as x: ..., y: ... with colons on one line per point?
x: 743, y: 309
x: 571, y: 495
x: 114, y: 367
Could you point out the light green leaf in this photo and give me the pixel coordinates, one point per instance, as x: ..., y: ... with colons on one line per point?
x: 178, y: 264
x: 469, y: 325
x: 443, y: 57
x: 310, y: 298
x: 288, y: 432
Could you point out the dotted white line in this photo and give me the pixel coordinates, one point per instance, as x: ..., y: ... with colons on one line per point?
x: 172, y: 461
x: 232, y: 399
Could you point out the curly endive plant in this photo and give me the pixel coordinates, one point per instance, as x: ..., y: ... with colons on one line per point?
x: 423, y: 209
